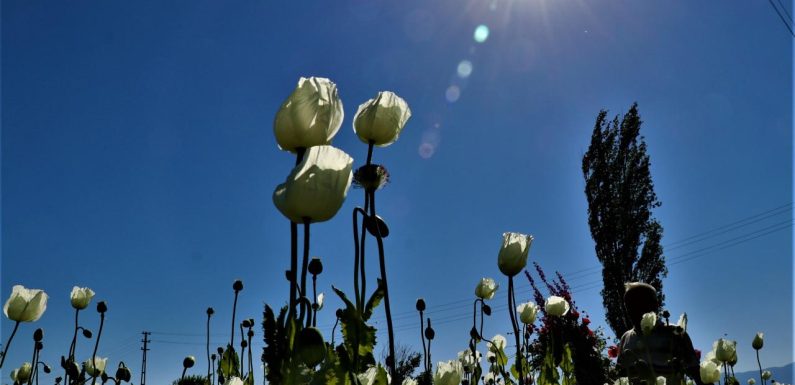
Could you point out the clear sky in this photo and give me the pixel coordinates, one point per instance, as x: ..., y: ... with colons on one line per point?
x: 138, y: 158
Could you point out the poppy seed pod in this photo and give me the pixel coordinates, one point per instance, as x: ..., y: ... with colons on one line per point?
x: 246, y: 323
x: 371, y: 177
x: 102, y: 307
x: 315, y: 266
x: 188, y: 362
x: 429, y: 332
x: 420, y: 304
x: 210, y: 311
x: 237, y: 285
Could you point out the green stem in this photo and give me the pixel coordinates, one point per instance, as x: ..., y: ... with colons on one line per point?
x: 304, y: 266
x: 382, y: 262
x: 8, y: 343
x: 515, y: 325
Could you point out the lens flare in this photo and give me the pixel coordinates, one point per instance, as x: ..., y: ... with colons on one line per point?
x: 452, y: 94
x: 464, y: 69
x: 481, y: 33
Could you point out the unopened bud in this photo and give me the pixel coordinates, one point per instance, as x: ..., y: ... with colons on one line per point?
x: 310, y: 346
x: 102, y: 307
x: 210, y: 311
x: 486, y: 309
x: 315, y: 266
x: 123, y: 374
x: 238, y: 285
x: 429, y: 333
x: 420, y: 304
x: 38, y: 335
x: 759, y: 341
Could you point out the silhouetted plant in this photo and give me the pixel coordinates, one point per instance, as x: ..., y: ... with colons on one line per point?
x: 620, y: 195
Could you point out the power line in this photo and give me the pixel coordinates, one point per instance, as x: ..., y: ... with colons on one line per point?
x: 699, y: 237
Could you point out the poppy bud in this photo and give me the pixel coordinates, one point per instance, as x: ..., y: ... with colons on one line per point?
x: 87, y: 333
x: 310, y: 346
x: 315, y: 266
x: 486, y: 309
x: 759, y: 341
x: 429, y: 333
x: 102, y: 307
x: 238, y: 285
x: 38, y: 335
x: 420, y: 304
x: 210, y: 311
x: 123, y: 374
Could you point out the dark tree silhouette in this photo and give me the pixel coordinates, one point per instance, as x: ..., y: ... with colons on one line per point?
x: 620, y: 193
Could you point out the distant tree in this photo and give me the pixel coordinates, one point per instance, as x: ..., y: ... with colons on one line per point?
x: 620, y: 194
x: 192, y: 380
x: 408, y: 361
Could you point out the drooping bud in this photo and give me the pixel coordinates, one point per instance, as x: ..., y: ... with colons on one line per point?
x: 310, y: 346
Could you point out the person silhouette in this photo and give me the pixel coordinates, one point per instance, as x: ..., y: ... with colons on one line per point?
x: 663, y: 351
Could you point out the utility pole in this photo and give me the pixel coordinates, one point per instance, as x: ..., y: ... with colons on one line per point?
x: 146, y: 340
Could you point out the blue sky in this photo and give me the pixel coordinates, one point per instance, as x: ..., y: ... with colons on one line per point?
x: 138, y: 158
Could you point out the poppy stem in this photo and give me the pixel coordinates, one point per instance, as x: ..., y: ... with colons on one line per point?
x: 382, y: 262
x: 8, y: 343
x: 515, y: 325
x: 304, y: 266
x: 96, y: 344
